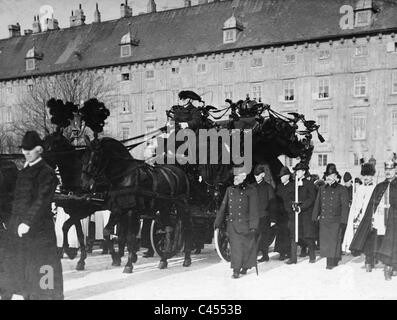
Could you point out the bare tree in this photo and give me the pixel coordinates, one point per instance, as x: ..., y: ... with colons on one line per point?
x: 33, y: 113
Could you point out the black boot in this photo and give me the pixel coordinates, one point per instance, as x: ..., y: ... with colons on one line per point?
x: 330, y: 264
x: 282, y: 257
x: 149, y: 253
x: 264, y: 258
x: 291, y: 261
x: 243, y: 271
x: 236, y: 274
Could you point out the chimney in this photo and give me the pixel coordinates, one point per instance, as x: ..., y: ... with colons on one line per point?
x: 52, y: 24
x: 125, y: 10
x: 27, y: 32
x: 36, y: 25
x: 202, y: 2
x: 78, y: 18
x: 14, y: 30
x: 151, y: 6
x: 97, y: 15
x: 188, y: 3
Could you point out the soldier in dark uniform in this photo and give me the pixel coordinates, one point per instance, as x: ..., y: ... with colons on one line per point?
x: 332, y: 210
x: 265, y: 195
x: 240, y: 207
x: 33, y: 267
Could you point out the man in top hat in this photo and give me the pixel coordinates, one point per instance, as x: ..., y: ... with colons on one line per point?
x: 265, y: 195
x: 359, y: 206
x: 33, y: 267
x: 240, y: 208
x: 306, y: 228
x: 186, y: 114
x: 376, y: 235
x: 281, y: 205
x: 331, y: 209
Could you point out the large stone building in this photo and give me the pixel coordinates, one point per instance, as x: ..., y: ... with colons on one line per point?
x: 335, y: 61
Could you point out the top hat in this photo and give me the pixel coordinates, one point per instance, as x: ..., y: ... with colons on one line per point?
x: 284, y: 171
x: 300, y: 166
x: 30, y: 140
x: 367, y: 169
x: 390, y: 164
x: 331, y: 168
x: 187, y: 94
x: 347, y: 177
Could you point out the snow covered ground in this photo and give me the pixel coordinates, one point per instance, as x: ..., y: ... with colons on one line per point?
x: 209, y: 278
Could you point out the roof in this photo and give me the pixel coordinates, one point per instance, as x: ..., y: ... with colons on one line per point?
x: 185, y: 32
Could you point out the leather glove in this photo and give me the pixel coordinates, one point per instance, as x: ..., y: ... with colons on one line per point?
x: 23, y: 229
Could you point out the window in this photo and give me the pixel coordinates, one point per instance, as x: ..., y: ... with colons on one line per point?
x: 359, y: 122
x: 125, y: 104
x: 363, y: 18
x: 360, y: 85
x: 229, y: 65
x: 125, y: 133
x: 322, y: 160
x: 9, y: 89
x: 361, y: 51
x: 256, y: 62
x: 229, y: 92
x: 125, y: 77
x: 324, y: 54
x: 394, y: 82
x: 30, y: 64
x: 322, y: 121
x: 256, y: 92
x: 229, y: 36
x: 201, y: 68
x: 175, y: 70
x: 290, y: 58
x: 356, y: 160
x: 125, y: 50
x: 149, y: 74
x: 289, y: 90
x: 323, y: 88
x: 30, y: 87
x: 394, y: 124
x: 150, y: 103
x: 9, y: 115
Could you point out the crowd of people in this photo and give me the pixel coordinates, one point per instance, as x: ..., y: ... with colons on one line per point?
x: 331, y: 217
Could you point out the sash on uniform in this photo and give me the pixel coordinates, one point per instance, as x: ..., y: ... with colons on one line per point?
x: 380, y: 215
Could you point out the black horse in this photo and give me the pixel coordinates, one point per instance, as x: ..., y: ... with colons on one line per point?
x: 136, y: 188
x: 59, y: 152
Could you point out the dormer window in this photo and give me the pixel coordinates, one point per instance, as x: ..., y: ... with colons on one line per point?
x: 126, y: 43
x: 231, y: 27
x: 363, y: 13
x: 31, y: 58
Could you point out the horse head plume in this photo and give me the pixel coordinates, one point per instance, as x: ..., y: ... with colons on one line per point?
x: 61, y: 113
x: 94, y: 113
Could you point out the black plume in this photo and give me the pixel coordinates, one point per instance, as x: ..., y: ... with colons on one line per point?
x: 94, y: 114
x: 61, y: 113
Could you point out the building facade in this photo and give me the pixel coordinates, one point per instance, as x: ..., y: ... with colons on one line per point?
x: 334, y: 61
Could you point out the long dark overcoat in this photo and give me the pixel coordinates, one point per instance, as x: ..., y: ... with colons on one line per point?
x: 332, y: 209
x: 32, y: 267
x: 240, y: 204
x: 189, y: 114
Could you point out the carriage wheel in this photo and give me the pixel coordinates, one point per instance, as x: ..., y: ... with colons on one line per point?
x: 222, y: 244
x: 158, y: 235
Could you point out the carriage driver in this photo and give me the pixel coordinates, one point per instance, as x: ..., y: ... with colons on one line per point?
x: 33, y: 268
x: 186, y: 114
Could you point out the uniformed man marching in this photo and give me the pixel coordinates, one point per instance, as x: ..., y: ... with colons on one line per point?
x: 332, y: 210
x: 33, y: 267
x: 240, y: 208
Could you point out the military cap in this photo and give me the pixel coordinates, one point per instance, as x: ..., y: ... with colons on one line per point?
x: 284, y: 171
x: 390, y: 164
x: 300, y: 166
x: 331, y: 168
x: 30, y: 140
x: 259, y: 169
